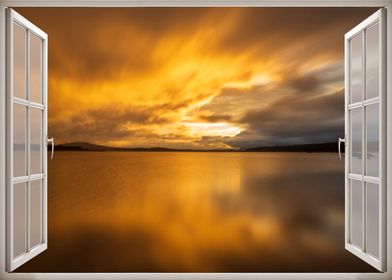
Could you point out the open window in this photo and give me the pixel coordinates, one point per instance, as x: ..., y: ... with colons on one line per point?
x: 26, y: 141
x: 365, y: 140
x: 365, y: 131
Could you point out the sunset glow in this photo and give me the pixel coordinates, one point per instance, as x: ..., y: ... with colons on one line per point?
x: 199, y: 78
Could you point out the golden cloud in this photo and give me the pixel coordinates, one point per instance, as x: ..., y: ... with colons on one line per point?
x: 168, y: 76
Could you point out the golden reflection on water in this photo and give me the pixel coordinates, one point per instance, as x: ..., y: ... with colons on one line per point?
x: 195, y: 212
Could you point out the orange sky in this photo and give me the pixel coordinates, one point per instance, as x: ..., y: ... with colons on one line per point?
x: 196, y: 77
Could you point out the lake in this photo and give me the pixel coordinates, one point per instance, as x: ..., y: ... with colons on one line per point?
x: 195, y: 212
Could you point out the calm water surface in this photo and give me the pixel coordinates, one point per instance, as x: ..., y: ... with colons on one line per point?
x: 195, y: 212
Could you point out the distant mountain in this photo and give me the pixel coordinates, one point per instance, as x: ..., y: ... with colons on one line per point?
x: 308, y: 148
x: 85, y: 146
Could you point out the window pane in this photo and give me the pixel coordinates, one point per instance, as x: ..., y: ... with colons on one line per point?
x: 19, y: 140
x: 19, y: 63
x: 356, y: 141
x: 356, y: 68
x: 35, y: 213
x: 35, y: 69
x: 19, y: 227
x: 356, y: 212
x: 36, y: 140
x: 372, y: 61
x: 372, y: 219
x: 372, y: 138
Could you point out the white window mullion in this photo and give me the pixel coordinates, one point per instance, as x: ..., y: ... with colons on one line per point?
x: 364, y: 140
x: 28, y: 130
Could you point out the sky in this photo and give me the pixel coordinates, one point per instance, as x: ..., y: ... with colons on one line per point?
x: 196, y: 78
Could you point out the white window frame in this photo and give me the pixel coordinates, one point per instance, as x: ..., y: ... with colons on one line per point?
x: 379, y: 263
x: 192, y: 3
x: 13, y: 263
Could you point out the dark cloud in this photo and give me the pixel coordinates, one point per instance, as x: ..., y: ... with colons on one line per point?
x: 299, y: 109
x: 302, y: 84
x: 298, y: 120
x: 232, y: 101
x: 215, y: 117
x: 107, y: 123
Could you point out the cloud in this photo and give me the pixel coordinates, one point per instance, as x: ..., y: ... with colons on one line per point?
x: 298, y: 120
x: 210, y: 117
x: 302, y: 84
x: 113, y: 123
x: 302, y: 107
x: 124, y: 76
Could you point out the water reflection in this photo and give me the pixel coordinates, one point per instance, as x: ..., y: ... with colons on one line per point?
x: 195, y: 212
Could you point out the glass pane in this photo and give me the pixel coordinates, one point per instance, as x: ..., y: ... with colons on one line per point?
x: 36, y: 141
x: 356, y: 213
x: 372, y: 219
x: 372, y: 61
x: 19, y: 207
x: 372, y: 138
x: 19, y: 140
x: 35, y: 69
x: 356, y: 68
x: 19, y: 64
x: 356, y: 141
x: 35, y: 213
